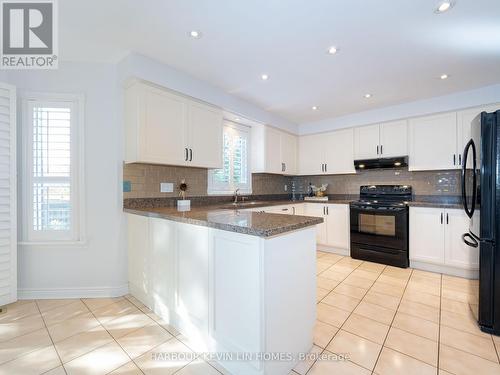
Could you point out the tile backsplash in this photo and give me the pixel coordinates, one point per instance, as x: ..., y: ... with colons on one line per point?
x: 445, y: 182
x: 145, y: 179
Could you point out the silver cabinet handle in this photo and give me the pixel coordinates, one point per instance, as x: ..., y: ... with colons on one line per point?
x: 447, y: 218
x: 186, y: 157
x: 293, y: 210
x: 381, y: 149
x: 326, y: 167
x: 190, y: 154
x: 459, y: 159
x: 454, y: 159
x: 441, y: 218
x: 327, y: 212
x: 324, y: 212
x: 377, y: 149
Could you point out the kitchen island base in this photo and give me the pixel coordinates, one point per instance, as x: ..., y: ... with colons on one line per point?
x: 247, y: 298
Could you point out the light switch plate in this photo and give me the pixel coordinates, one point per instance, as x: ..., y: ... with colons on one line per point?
x: 166, y: 187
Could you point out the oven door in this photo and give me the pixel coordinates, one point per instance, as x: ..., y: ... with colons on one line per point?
x: 378, y: 227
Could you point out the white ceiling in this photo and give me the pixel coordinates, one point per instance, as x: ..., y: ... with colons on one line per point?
x: 393, y: 49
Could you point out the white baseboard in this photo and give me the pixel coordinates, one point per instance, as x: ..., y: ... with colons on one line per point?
x: 446, y: 270
x: 61, y: 293
x: 334, y: 250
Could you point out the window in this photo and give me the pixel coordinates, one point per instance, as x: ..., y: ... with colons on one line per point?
x: 235, y: 172
x: 52, y: 142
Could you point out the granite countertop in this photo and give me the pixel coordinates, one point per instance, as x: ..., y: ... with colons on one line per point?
x: 436, y: 201
x: 240, y: 221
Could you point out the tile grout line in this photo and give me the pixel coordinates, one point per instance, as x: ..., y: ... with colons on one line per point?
x: 323, y: 349
x: 439, y: 326
x: 390, y: 325
x: 51, y: 340
x: 173, y: 337
x: 340, y: 328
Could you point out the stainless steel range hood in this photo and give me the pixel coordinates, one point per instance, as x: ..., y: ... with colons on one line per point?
x: 383, y: 163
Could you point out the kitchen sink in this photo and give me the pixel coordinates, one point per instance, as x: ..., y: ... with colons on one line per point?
x: 234, y: 205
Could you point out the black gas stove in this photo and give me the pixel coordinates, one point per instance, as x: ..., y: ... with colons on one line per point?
x: 379, y: 224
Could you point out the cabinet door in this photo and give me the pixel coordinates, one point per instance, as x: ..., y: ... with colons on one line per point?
x: 339, y: 151
x: 191, y: 278
x: 464, y: 120
x: 394, y: 139
x: 273, y: 151
x: 164, y: 127
x: 289, y: 153
x: 205, y: 136
x: 139, y: 259
x: 366, y: 142
x: 427, y: 235
x: 433, y: 142
x: 318, y: 210
x: 338, y: 226
x: 162, y: 240
x: 311, y: 155
x: 457, y: 253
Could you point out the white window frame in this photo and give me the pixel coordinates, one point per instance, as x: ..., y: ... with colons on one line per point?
x: 216, y: 189
x: 76, y: 235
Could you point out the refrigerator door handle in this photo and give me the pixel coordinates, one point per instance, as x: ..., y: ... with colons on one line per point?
x: 472, y: 243
x: 469, y: 145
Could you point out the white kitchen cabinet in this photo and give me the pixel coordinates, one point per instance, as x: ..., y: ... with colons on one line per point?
x: 433, y: 142
x: 427, y: 235
x: 367, y: 142
x: 318, y: 210
x: 273, y: 151
x: 163, y: 127
x: 436, y: 241
x: 338, y: 226
x: 339, y: 152
x: 311, y: 154
x: 329, y: 153
x: 335, y: 229
x: 464, y: 120
x: 394, y: 139
x: 205, y: 135
x: 139, y: 258
x: 289, y: 147
x: 389, y: 139
x: 456, y: 252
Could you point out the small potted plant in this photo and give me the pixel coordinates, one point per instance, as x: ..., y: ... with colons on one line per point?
x: 183, y: 204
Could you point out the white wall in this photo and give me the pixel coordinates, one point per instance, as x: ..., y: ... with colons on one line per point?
x: 142, y: 67
x: 460, y: 100
x: 99, y: 267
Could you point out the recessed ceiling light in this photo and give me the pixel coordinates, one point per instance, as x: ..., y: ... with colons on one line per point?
x: 237, y: 119
x: 195, y: 34
x: 264, y: 77
x: 368, y: 96
x: 314, y: 108
x: 443, y: 76
x: 333, y: 50
x: 444, y: 6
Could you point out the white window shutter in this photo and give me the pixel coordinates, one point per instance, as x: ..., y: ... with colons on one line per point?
x: 8, y: 219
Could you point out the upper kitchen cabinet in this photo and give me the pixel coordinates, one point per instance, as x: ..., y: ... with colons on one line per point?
x: 163, y: 127
x: 273, y: 151
x: 433, y: 142
x: 339, y: 152
x: 328, y: 153
x: 464, y: 120
x: 381, y: 141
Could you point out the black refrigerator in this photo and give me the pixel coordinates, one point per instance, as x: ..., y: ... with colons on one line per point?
x: 481, y: 202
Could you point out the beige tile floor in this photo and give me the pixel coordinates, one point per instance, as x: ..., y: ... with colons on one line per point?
x: 384, y: 320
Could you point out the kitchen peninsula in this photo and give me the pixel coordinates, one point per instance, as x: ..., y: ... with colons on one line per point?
x: 231, y: 281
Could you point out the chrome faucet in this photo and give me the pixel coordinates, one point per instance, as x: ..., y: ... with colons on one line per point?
x: 236, y: 195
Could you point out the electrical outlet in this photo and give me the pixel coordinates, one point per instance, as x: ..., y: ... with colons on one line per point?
x: 286, y: 188
x: 166, y: 187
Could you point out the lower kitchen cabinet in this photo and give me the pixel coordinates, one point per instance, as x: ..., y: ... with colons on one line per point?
x: 335, y: 229
x: 436, y: 242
